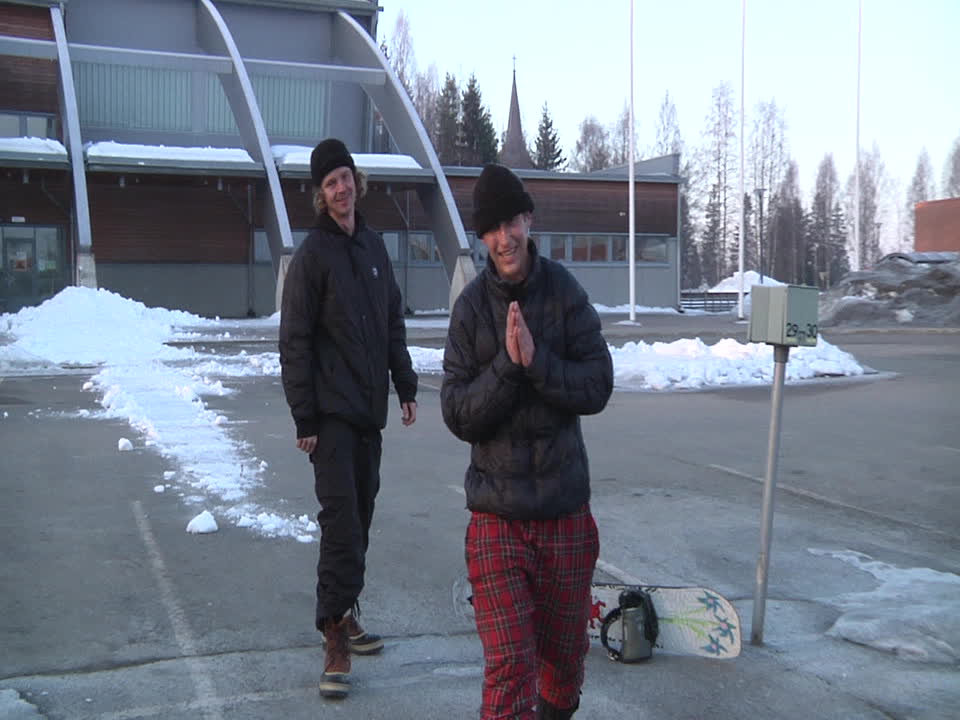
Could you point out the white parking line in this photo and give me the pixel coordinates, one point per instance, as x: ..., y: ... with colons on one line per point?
x: 800, y: 492
x: 619, y: 574
x: 210, y: 704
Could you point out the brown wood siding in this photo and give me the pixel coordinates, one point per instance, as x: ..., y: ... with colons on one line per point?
x: 27, y: 84
x: 938, y: 225
x: 166, y: 219
x: 29, y: 201
x: 570, y: 206
x: 25, y: 21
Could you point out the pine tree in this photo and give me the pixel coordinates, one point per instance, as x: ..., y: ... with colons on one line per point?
x: 720, y: 161
x: 788, y: 234
x: 448, y: 122
x: 951, y: 172
x: 478, y: 136
x: 548, y: 154
x: 921, y: 188
x: 710, y: 239
x: 823, y: 223
x: 873, y: 184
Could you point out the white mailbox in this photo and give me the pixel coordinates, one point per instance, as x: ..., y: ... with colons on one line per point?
x: 783, y: 315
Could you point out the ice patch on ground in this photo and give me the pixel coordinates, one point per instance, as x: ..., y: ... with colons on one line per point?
x: 913, y: 613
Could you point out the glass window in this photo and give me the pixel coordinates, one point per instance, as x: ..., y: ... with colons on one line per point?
x: 419, y: 245
x: 580, y: 249
x: 48, y: 250
x: 9, y: 125
x: 392, y: 242
x: 651, y: 249
x: 558, y: 247
x: 618, y: 247
x: 480, y: 251
x: 36, y: 126
x: 598, y: 248
x: 261, y: 248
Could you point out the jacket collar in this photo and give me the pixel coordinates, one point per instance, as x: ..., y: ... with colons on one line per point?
x: 328, y: 224
x: 515, y: 291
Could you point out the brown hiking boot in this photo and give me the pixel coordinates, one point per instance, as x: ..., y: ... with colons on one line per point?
x: 335, y: 681
x: 361, y: 642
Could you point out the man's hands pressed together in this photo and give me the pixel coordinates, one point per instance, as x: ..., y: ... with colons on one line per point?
x: 520, y: 345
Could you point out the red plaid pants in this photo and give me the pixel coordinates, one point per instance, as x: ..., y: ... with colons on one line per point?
x: 531, y: 593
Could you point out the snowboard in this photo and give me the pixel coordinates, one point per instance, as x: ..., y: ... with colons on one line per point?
x: 692, y: 620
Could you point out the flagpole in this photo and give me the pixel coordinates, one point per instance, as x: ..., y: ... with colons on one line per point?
x: 743, y: 46
x: 631, y: 252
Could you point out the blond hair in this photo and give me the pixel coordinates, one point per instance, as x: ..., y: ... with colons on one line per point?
x: 359, y: 179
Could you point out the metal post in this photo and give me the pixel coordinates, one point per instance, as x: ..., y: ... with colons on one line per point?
x: 760, y: 238
x: 631, y: 235
x: 743, y: 52
x: 780, y: 355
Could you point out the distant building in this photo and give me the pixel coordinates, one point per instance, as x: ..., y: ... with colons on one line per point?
x: 160, y: 150
x: 937, y: 225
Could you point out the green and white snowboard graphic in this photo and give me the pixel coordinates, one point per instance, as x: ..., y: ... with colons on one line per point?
x: 692, y: 620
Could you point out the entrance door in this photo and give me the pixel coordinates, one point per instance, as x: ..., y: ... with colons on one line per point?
x: 34, y: 265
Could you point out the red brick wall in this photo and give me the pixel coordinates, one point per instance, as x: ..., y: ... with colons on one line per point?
x: 27, y: 84
x: 937, y: 225
x: 167, y: 219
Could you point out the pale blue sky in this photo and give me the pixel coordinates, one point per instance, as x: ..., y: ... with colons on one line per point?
x: 575, y: 56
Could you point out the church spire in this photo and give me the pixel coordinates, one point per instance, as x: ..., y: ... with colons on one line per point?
x: 514, y: 152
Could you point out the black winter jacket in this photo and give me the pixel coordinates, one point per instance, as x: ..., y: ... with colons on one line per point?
x: 527, y: 459
x: 341, y: 330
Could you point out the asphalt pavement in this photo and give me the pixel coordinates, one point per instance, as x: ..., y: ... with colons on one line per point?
x: 109, y: 609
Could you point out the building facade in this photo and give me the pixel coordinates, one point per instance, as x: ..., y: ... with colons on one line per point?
x: 161, y: 150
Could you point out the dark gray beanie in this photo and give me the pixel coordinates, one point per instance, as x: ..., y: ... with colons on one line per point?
x: 327, y: 156
x: 498, y: 196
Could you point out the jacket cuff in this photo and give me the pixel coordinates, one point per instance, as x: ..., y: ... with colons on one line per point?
x: 537, y: 370
x: 306, y: 428
x: 503, y: 367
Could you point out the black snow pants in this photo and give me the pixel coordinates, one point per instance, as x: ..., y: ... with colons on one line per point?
x: 346, y: 468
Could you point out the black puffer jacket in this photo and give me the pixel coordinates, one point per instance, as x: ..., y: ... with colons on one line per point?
x: 341, y: 330
x: 528, y: 459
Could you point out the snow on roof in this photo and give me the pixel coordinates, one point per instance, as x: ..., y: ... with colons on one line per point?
x: 38, y: 146
x: 109, y: 149
x: 289, y: 157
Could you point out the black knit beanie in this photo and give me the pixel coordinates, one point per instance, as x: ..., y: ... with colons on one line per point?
x: 498, y: 196
x: 327, y: 156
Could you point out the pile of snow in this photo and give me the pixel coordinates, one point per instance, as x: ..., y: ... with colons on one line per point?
x: 914, y: 612
x: 202, y: 524
x: 692, y: 364
x: 750, y: 278
x: 82, y: 326
x: 895, y: 292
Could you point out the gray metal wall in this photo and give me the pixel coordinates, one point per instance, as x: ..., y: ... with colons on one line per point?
x: 184, y: 107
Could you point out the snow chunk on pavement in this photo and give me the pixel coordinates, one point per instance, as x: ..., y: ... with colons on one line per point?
x: 202, y: 524
x: 913, y: 613
x: 123, y: 445
x: 13, y: 707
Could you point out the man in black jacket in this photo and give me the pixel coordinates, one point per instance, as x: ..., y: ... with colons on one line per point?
x: 524, y: 359
x: 342, y: 336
